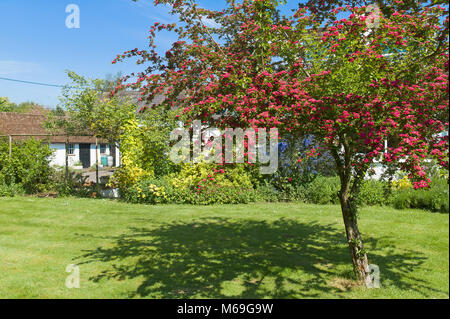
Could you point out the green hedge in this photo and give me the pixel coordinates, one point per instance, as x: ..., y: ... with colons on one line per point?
x: 322, y: 190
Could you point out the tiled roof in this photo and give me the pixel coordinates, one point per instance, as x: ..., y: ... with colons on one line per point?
x: 22, y: 124
x: 32, y: 123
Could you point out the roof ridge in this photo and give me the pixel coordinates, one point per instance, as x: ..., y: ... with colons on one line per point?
x: 19, y: 113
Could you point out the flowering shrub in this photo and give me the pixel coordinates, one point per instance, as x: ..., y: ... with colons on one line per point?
x: 201, y: 184
x: 150, y: 191
x: 203, y: 175
x: 403, y: 183
x: 163, y: 191
x: 300, y: 161
x: 204, y: 183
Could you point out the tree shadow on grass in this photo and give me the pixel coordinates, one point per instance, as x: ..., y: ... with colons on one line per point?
x: 221, y: 258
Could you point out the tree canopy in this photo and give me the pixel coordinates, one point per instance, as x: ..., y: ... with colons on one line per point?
x: 25, y: 107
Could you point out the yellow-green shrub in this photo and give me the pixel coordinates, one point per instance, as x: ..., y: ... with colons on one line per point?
x: 149, y: 191
x: 134, y: 167
x: 205, y: 183
x: 403, y: 183
x: 193, y: 175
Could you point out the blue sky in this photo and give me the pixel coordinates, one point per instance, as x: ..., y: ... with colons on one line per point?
x: 37, y: 46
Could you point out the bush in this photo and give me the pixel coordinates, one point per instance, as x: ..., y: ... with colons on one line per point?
x: 403, y: 183
x: 145, y: 148
x: 322, y: 190
x: 199, y: 175
x: 150, y: 191
x: 301, y: 160
x: 10, y: 190
x: 29, y: 165
x: 75, y: 185
x: 200, y: 184
x: 217, y: 194
x: 288, y: 189
x: 266, y: 192
x: 211, y: 183
x: 373, y: 193
x: 162, y: 191
x: 435, y: 199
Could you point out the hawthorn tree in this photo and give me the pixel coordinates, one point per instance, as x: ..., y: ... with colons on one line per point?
x: 323, y: 8
x: 353, y: 78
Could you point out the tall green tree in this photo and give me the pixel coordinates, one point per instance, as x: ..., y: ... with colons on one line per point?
x: 24, y: 107
x: 5, y: 105
x: 91, y: 110
x: 87, y: 108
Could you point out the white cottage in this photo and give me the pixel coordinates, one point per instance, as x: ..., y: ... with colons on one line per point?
x: 81, y: 149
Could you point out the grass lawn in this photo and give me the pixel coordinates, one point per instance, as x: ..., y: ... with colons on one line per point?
x: 243, y: 251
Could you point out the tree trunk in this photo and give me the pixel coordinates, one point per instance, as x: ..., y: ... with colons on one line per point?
x: 359, y: 257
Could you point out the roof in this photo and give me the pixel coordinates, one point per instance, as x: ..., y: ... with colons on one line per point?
x: 26, y: 125
x: 141, y: 103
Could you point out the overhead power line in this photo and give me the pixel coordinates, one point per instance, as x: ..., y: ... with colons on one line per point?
x: 46, y: 84
x: 31, y: 82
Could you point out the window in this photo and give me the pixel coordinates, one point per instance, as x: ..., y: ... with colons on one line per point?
x: 71, y: 149
x: 102, y: 148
